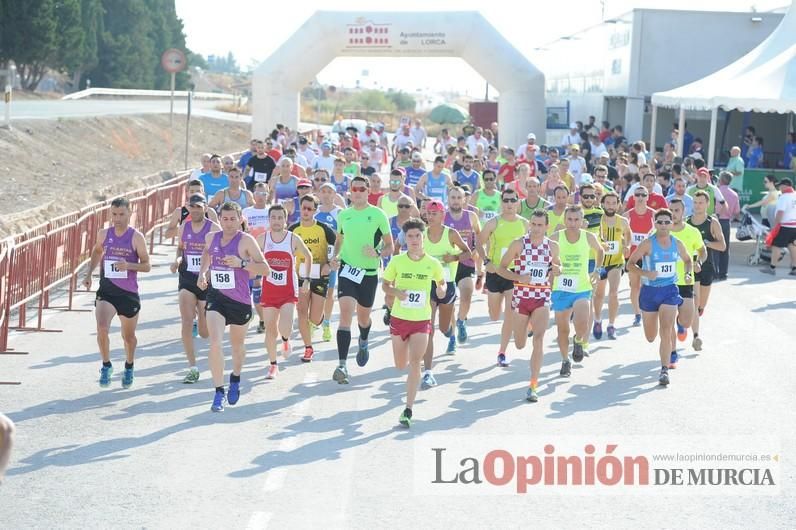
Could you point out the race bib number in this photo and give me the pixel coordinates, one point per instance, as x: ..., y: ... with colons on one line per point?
x: 612, y: 248
x: 278, y: 278
x: 355, y: 275
x: 638, y: 238
x: 329, y: 251
x: 193, y: 262
x: 222, y: 279
x: 112, y: 272
x: 315, y: 271
x: 488, y: 216
x: 567, y: 283
x: 260, y: 177
x: 665, y: 269
x: 414, y: 300
x: 538, y: 272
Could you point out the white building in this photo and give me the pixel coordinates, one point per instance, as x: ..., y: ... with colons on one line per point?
x: 611, y: 70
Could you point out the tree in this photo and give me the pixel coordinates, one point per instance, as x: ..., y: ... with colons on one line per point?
x: 91, y: 17
x: 70, y: 36
x: 402, y: 100
x: 28, y: 37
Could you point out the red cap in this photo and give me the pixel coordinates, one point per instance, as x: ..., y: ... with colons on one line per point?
x: 703, y: 171
x: 435, y: 206
x: 304, y: 183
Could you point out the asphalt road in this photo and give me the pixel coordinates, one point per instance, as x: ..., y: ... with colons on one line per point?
x: 81, y: 108
x: 303, y: 452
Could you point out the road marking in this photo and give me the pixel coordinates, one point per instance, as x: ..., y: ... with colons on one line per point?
x: 259, y: 521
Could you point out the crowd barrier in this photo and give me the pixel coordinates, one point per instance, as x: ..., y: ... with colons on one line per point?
x: 34, y: 263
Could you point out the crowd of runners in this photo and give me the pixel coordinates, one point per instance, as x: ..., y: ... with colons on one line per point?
x: 304, y: 228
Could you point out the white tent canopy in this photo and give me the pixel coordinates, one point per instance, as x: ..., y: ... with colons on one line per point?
x: 764, y: 80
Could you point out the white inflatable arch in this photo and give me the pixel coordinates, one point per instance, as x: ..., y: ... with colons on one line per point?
x: 278, y: 81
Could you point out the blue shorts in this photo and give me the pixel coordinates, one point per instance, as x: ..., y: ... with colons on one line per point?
x: 591, y: 266
x: 651, y: 298
x: 332, y: 279
x: 563, y: 301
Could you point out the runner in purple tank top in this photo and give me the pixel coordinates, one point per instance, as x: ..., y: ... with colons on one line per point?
x: 122, y: 251
x: 188, y: 260
x: 229, y: 258
x: 466, y: 223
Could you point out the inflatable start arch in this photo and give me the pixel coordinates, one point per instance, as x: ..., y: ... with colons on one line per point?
x: 278, y: 81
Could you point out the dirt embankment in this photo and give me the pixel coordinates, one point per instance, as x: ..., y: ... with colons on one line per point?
x: 52, y: 167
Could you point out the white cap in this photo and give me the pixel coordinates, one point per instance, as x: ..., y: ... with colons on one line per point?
x: 531, y: 136
x: 573, y: 125
x: 417, y: 156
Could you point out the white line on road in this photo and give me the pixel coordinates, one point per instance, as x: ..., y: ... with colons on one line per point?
x: 259, y: 521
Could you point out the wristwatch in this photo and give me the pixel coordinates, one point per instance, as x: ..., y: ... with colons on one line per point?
x: 243, y: 263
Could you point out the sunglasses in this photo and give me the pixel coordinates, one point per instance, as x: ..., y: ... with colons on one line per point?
x: 261, y: 193
x: 489, y: 180
x: 359, y: 188
x: 663, y: 222
x: 404, y: 206
x: 588, y: 196
x: 395, y: 181
x: 308, y: 208
x: 320, y: 179
x: 510, y: 200
x: 640, y: 194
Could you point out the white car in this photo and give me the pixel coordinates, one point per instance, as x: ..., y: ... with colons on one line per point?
x: 341, y: 125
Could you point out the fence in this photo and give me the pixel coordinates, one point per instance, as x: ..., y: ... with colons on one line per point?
x: 35, y: 262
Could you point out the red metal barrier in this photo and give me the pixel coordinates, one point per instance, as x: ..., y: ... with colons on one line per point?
x: 38, y: 260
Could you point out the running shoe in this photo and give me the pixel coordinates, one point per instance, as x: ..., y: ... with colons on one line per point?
x: 192, y: 376
x: 611, y: 332
x: 682, y: 333
x: 363, y: 355
x: 105, y: 376
x: 428, y: 381
x: 597, y: 330
x: 792, y: 272
x: 327, y: 333
x: 233, y: 394
x: 701, y: 310
x: 501, y: 360
x: 530, y: 334
x: 451, y: 344
x: 286, y: 349
x: 697, y: 344
x: 531, y: 395
x: 218, y: 401
x: 195, y: 330
x: 261, y: 327
x: 769, y: 270
x: 127, y: 378
x: 340, y: 375
x: 273, y: 371
x: 461, y: 331
x: 406, y: 418
x: 566, y: 368
x: 663, y: 379
x: 577, y: 351
x: 386, y: 318
x: 637, y: 321
x: 673, y: 359
x: 308, y: 354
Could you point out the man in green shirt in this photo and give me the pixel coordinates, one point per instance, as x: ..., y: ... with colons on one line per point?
x: 361, y: 227
x: 735, y: 166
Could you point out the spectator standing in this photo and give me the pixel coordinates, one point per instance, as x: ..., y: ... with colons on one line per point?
x: 726, y: 215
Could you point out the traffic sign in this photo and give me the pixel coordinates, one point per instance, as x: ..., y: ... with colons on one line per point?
x: 173, y: 61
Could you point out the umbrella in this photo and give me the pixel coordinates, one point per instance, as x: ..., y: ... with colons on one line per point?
x: 449, y: 113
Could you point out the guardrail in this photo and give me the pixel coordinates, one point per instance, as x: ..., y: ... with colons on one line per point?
x: 35, y: 262
x: 130, y: 92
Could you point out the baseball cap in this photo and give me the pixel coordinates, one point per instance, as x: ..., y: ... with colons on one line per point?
x: 531, y: 136
x: 328, y: 185
x: 417, y: 156
x: 303, y: 183
x: 302, y: 139
x: 696, y: 156
x: 573, y: 125
x: 196, y: 198
x: 404, y: 149
x: 605, y: 154
x: 575, y: 147
x: 435, y: 206
x: 703, y: 171
x: 326, y: 145
x: 586, y: 178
